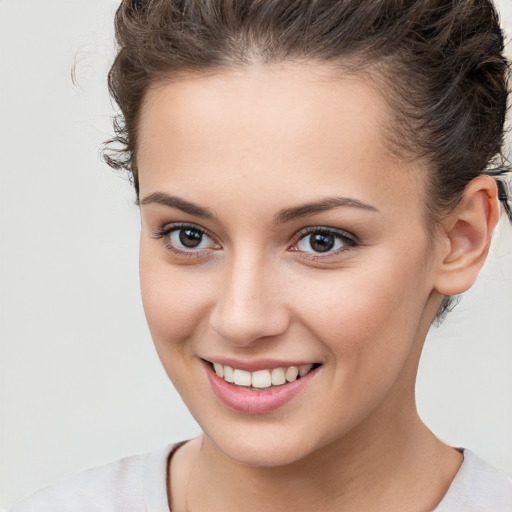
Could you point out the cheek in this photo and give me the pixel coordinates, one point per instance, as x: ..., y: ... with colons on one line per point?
x: 369, y: 325
x: 370, y: 316
x: 175, y: 305
x: 175, y: 300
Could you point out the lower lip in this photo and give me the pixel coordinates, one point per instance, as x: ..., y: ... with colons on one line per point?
x: 253, y: 401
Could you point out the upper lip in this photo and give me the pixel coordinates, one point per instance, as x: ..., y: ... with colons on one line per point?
x: 257, y: 364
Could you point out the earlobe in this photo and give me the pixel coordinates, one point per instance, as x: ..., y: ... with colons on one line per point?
x: 467, y: 232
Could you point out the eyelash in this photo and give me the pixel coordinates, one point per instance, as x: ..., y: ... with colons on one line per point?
x: 347, y: 240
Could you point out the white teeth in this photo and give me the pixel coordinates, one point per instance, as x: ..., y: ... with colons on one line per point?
x: 278, y: 377
x: 242, y: 378
x: 262, y: 378
x: 292, y: 373
x: 228, y: 374
x: 219, y: 369
x: 304, y: 368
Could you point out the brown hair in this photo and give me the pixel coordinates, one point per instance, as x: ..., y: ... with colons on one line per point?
x: 440, y: 61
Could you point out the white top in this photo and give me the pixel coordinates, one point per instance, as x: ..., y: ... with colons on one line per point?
x: 139, y: 484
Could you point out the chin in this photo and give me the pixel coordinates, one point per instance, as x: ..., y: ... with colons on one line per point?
x: 261, y: 453
x: 264, y: 445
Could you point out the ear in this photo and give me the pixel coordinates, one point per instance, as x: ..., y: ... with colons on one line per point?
x: 466, y: 236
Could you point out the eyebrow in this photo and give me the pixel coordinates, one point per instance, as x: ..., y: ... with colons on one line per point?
x: 180, y: 204
x: 285, y: 215
x: 323, y: 205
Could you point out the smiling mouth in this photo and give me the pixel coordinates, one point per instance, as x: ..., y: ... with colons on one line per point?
x: 262, y: 379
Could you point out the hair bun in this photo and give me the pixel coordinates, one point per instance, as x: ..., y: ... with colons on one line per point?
x: 137, y: 5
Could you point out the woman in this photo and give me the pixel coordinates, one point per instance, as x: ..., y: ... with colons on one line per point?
x: 316, y: 180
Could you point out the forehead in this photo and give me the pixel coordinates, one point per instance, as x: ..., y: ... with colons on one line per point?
x: 298, y: 125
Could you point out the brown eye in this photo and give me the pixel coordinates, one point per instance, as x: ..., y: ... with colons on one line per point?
x: 183, y: 238
x: 321, y: 242
x: 324, y: 240
x: 190, y: 238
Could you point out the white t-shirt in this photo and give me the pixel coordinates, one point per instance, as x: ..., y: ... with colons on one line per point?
x: 139, y: 484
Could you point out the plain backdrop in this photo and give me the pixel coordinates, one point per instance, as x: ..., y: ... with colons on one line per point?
x: 80, y: 383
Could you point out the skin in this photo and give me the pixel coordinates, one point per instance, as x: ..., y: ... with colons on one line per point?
x: 246, y: 144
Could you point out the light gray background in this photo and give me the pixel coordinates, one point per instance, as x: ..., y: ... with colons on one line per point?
x: 80, y: 383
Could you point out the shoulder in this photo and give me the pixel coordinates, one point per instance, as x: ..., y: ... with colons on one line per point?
x: 120, y: 486
x: 478, y: 487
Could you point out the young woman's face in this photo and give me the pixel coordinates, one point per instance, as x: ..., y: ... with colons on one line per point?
x: 280, y: 236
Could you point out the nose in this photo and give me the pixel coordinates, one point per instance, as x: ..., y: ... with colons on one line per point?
x: 250, y: 303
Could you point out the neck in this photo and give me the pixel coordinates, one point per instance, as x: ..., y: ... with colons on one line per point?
x: 362, y: 473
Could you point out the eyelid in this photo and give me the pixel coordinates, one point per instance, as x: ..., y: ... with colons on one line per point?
x: 325, y: 229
